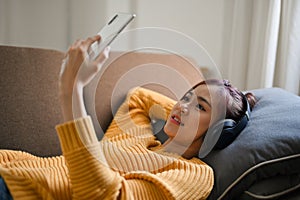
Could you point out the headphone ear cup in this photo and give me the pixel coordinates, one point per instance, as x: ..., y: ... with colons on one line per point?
x: 228, y: 123
x: 224, y: 124
x: 226, y: 136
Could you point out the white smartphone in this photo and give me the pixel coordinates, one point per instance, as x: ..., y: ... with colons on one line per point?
x: 109, y: 32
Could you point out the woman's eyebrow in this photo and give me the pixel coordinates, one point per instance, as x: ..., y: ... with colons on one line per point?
x: 204, y: 100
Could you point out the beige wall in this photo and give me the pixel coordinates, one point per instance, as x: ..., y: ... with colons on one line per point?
x: 56, y: 23
x: 240, y: 35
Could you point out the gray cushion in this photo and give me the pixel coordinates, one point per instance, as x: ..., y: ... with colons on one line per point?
x: 285, y: 186
x: 269, y: 146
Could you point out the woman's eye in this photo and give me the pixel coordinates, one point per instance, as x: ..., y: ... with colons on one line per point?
x: 199, y: 107
x: 186, y: 97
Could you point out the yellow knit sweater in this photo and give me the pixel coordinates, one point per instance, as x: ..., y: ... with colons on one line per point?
x: 128, y: 163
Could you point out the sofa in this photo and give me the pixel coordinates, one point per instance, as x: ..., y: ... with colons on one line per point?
x: 263, y: 162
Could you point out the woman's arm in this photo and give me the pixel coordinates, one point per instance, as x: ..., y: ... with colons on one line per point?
x: 136, y: 112
x: 76, y: 72
x: 89, y: 176
x: 151, y: 104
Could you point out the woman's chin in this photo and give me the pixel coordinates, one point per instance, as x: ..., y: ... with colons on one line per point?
x: 170, y: 131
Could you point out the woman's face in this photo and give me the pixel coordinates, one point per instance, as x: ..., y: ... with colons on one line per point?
x: 190, y: 117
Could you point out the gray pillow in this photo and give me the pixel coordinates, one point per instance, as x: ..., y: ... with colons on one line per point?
x: 268, y: 147
x: 286, y: 186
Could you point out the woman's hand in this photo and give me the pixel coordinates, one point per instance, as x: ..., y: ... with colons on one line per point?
x: 77, y: 71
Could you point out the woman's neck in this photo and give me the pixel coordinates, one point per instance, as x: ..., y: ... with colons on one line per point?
x: 187, y: 152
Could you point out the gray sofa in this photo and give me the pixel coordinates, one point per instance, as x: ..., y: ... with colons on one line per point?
x: 30, y: 109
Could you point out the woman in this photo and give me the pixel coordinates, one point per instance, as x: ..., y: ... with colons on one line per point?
x: 128, y: 162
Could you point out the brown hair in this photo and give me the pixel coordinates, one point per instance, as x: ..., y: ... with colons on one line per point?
x: 235, y: 106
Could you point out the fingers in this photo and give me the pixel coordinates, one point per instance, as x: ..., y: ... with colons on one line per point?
x: 85, y: 44
x: 103, y: 55
x: 77, y: 43
x: 92, y: 39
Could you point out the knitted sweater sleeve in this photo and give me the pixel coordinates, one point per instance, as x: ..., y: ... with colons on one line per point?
x: 89, y: 174
x: 148, y: 175
x: 139, y: 108
x: 90, y: 178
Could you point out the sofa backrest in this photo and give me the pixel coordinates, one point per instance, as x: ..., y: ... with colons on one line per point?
x: 29, y: 103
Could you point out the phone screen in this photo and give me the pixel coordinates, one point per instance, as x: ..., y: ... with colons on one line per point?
x: 110, y: 31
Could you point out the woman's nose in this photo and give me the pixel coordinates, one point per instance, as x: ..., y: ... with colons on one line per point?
x: 184, y: 109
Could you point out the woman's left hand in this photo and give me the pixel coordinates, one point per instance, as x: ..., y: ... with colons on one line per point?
x: 77, y: 71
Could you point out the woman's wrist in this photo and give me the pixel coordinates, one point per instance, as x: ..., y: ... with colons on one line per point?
x: 72, y: 103
x: 78, y: 106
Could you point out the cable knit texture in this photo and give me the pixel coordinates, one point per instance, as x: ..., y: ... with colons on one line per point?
x: 128, y: 163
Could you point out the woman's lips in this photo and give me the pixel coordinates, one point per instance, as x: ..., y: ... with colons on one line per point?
x: 176, y: 120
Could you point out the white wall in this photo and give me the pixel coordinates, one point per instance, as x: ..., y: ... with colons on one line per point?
x: 57, y: 23
x: 34, y: 23
x: 226, y: 29
x: 200, y: 19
